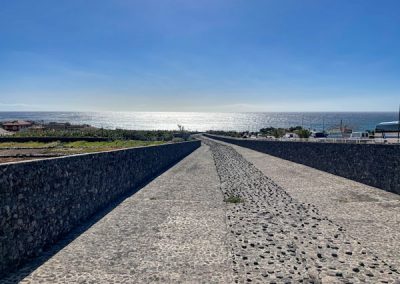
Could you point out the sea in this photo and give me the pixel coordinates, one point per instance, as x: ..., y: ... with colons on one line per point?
x: 203, y: 121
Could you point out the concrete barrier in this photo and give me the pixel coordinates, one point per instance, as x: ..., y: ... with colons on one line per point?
x: 42, y: 200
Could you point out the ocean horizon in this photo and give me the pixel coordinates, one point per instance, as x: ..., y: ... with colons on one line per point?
x: 203, y: 121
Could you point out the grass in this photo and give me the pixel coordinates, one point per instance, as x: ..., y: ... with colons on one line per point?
x: 234, y: 199
x: 111, y: 144
x: 117, y: 134
x: 90, y: 147
x: 79, y: 146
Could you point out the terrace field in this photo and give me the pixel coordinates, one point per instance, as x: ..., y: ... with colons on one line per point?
x: 17, y: 151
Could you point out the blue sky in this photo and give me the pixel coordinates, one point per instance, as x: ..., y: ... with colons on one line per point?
x: 208, y: 55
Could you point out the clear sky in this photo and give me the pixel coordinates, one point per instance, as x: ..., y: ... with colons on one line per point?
x: 200, y: 55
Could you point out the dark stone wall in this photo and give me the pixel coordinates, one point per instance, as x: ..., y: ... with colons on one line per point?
x: 42, y: 200
x: 371, y: 164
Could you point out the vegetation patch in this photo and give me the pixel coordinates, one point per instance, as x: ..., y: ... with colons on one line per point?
x: 268, y: 131
x: 13, y: 151
x: 89, y: 147
x: 234, y: 199
x: 111, y: 144
x: 112, y: 134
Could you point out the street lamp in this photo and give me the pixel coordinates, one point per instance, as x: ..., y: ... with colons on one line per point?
x: 398, y: 127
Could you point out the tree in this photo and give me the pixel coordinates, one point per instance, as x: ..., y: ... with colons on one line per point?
x: 181, y: 128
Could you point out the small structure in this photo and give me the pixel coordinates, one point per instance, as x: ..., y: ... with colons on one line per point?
x: 359, y: 136
x: 4, y: 132
x: 389, y: 129
x: 17, y: 125
x: 340, y: 133
x: 291, y: 135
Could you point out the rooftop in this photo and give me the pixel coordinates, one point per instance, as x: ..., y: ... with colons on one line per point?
x: 17, y: 123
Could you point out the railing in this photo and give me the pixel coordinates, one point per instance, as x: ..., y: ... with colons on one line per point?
x: 334, y: 140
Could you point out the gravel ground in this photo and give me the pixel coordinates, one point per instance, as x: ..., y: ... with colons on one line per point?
x: 9, y: 160
x: 275, y: 238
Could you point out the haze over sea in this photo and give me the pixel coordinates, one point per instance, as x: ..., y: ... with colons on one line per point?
x: 199, y: 121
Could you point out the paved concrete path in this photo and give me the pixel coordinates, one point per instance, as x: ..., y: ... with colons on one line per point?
x: 171, y: 231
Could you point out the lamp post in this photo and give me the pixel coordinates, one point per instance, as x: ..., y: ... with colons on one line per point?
x: 398, y: 127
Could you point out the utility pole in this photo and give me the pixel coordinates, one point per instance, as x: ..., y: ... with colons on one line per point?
x: 398, y: 127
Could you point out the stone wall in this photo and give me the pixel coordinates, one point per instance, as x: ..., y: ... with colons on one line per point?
x: 371, y: 164
x: 42, y: 200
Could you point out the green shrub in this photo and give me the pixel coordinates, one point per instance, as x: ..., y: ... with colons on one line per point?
x: 303, y: 133
x: 177, y: 140
x: 234, y: 199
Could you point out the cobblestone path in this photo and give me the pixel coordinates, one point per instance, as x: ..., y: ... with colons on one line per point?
x: 276, y: 239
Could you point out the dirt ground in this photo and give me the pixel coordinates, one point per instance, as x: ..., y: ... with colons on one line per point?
x: 9, y: 160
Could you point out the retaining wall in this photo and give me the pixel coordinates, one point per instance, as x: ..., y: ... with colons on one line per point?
x: 42, y: 200
x: 371, y: 164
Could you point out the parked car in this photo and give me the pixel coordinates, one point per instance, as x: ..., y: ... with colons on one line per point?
x: 318, y: 135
